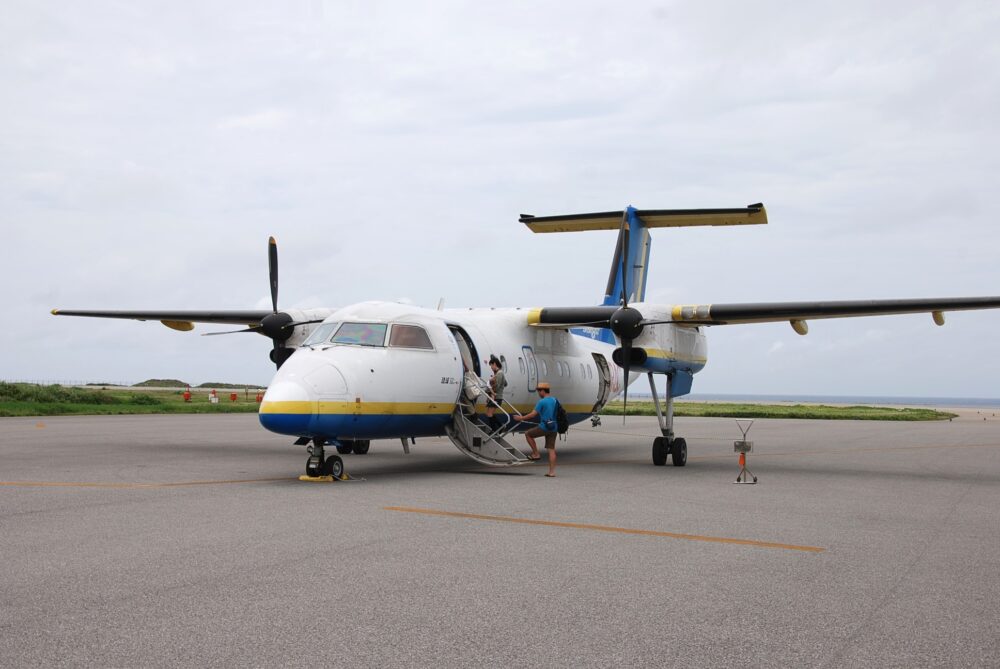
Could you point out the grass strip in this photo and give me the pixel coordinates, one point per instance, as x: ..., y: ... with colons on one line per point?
x: 25, y: 399
x: 803, y: 411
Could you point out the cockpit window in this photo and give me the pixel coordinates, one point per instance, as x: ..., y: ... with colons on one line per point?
x: 409, y: 336
x: 321, y: 335
x: 361, y: 334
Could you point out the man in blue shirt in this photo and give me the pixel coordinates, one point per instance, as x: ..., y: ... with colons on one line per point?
x: 545, y: 411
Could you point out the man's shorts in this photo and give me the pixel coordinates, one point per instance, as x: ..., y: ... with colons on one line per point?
x: 550, y: 437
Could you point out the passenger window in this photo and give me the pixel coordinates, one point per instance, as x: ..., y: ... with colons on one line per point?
x: 361, y: 334
x: 559, y: 368
x: 520, y: 365
x: 590, y: 372
x: 569, y: 370
x: 583, y: 371
x: 545, y: 368
x: 409, y: 336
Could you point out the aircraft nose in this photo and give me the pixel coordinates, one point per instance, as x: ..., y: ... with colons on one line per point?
x: 287, y: 408
x: 291, y: 403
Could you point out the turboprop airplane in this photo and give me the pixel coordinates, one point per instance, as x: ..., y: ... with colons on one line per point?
x: 383, y: 370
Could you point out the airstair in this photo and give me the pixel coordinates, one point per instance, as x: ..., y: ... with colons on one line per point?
x: 484, y: 447
x: 477, y: 440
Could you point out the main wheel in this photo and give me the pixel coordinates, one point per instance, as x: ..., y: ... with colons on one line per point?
x: 679, y: 452
x: 660, y: 451
x: 345, y: 447
x: 314, y: 466
x: 334, y: 466
x: 361, y: 446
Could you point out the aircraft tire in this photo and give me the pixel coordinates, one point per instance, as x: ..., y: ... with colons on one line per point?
x: 361, y: 446
x: 660, y: 451
x: 334, y: 466
x: 345, y: 447
x: 314, y: 466
x: 679, y: 452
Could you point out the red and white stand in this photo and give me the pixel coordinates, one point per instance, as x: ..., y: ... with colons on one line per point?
x: 742, y: 446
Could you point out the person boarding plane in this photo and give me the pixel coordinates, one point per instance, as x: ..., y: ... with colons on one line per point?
x: 382, y: 370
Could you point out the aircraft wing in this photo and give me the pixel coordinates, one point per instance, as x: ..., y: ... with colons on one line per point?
x: 761, y: 312
x: 771, y: 312
x: 177, y: 320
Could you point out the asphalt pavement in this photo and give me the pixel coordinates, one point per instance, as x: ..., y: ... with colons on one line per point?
x: 189, y: 541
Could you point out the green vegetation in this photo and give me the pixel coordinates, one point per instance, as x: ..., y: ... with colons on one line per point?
x: 161, y: 383
x: 229, y: 386
x: 25, y: 399
x: 810, y: 411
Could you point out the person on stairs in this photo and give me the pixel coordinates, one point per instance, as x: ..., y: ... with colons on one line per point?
x: 497, y: 383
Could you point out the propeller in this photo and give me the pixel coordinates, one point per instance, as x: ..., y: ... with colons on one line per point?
x: 626, y: 322
x: 277, y: 325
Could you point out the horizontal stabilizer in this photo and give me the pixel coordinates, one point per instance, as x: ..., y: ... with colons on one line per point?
x: 755, y: 214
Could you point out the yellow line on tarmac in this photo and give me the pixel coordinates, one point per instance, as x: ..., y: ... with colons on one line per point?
x: 606, y: 528
x: 130, y: 486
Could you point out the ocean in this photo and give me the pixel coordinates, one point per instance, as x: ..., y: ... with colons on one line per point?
x: 956, y: 402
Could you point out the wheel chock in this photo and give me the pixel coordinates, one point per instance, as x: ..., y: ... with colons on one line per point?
x: 328, y: 478
x: 317, y: 479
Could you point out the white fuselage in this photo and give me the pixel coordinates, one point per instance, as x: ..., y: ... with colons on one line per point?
x: 380, y: 384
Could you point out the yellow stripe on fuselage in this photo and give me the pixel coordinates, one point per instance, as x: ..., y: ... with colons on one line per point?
x: 357, y: 408
x: 388, y: 408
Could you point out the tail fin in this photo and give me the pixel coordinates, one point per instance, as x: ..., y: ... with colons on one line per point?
x: 634, y: 241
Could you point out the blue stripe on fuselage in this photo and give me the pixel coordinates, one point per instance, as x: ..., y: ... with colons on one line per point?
x: 340, y: 426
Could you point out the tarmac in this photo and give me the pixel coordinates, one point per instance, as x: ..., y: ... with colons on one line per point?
x: 133, y: 541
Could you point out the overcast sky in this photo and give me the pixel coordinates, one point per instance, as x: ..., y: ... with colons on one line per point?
x: 148, y: 149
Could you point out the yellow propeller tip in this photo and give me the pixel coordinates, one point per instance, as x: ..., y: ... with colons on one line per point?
x: 270, y: 240
x: 55, y: 312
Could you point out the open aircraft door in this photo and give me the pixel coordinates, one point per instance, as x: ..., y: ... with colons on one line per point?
x: 529, y: 361
x: 603, y: 380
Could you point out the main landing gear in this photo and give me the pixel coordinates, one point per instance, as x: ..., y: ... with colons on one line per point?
x: 320, y: 465
x: 666, y: 445
x: 357, y: 446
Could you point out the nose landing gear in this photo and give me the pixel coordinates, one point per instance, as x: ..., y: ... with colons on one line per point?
x: 319, y: 465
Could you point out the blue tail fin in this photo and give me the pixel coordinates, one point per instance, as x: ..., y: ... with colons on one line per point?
x: 628, y: 278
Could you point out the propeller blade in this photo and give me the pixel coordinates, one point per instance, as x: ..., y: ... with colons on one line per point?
x: 565, y: 326
x: 623, y: 238
x: 272, y: 270
x: 225, y: 332
x: 626, y: 358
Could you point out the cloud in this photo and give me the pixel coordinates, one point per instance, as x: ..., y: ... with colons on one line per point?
x: 262, y: 120
x: 148, y: 151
